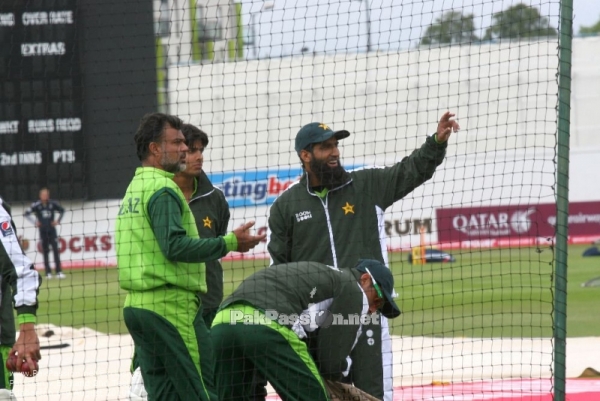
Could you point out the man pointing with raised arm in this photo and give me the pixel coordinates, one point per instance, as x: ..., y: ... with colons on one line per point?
x: 335, y: 217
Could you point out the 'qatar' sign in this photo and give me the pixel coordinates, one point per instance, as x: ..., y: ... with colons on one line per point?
x: 516, y: 222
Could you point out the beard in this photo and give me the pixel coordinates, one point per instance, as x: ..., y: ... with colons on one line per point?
x: 330, y: 177
x: 172, y: 166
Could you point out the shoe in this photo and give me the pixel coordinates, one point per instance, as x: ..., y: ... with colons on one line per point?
x: 61, y: 275
x: 49, y: 276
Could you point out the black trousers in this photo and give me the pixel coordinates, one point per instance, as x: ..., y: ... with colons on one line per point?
x: 49, y: 239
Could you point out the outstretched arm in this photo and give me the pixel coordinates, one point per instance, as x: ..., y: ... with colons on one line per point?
x: 175, y: 244
x: 394, y: 183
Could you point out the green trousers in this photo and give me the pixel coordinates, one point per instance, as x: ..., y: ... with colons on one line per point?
x: 273, y: 350
x: 174, y: 355
x: 208, y: 316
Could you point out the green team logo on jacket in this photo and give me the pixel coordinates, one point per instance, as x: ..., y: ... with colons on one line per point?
x: 129, y: 206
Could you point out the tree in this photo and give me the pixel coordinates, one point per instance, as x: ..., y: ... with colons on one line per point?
x: 519, y: 21
x: 451, y: 27
x: 590, y: 30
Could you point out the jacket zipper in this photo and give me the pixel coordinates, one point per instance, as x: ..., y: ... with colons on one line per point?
x: 201, y: 196
x: 329, y: 227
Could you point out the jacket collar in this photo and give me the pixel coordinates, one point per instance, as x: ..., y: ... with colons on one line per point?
x: 153, y: 170
x: 203, y: 185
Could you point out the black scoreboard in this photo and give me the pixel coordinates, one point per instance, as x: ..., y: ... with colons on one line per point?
x: 76, y: 76
x: 41, y: 113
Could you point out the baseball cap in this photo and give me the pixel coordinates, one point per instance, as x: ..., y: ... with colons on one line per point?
x: 383, y: 276
x: 315, y: 133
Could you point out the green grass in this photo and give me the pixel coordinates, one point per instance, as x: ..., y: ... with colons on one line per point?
x: 86, y: 298
x: 486, y: 293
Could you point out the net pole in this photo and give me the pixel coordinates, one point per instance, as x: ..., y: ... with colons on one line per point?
x: 562, y: 198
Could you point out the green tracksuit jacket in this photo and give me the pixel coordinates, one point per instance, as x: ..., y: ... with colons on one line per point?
x: 347, y: 224
x: 319, y: 295
x: 211, y: 212
x: 157, y: 241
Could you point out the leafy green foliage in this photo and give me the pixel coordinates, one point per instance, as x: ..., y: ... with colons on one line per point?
x: 452, y: 27
x: 518, y: 22
x: 590, y: 30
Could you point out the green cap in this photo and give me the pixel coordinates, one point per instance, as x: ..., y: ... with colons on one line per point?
x: 316, y: 133
x: 383, y: 276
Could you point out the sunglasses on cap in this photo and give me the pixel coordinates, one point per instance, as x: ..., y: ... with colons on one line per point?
x: 377, y: 289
